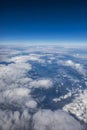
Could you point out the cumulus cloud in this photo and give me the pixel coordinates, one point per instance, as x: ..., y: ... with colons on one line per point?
x: 14, y: 85
x: 31, y: 104
x: 42, y: 120
x: 14, y: 120
x: 16, y: 93
x: 57, y: 120
x: 11, y: 74
x: 74, y: 65
x: 43, y: 83
x: 19, y: 97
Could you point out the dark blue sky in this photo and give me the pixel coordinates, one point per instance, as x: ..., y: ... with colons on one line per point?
x: 62, y: 20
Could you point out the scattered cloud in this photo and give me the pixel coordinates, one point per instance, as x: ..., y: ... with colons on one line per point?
x: 31, y: 104
x: 14, y: 120
x: 41, y: 83
x: 11, y: 74
x: 18, y: 108
x: 16, y: 92
x: 74, y: 65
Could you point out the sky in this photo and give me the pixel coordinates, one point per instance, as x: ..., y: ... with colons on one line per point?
x: 43, y: 20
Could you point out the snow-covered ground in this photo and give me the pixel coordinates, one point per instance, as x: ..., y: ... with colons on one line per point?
x: 79, y: 106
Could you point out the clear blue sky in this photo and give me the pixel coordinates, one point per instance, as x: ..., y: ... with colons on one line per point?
x: 51, y: 20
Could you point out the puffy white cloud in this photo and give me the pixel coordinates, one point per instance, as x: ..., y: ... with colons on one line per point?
x: 31, y: 104
x: 74, y: 65
x: 69, y: 94
x: 11, y: 74
x: 14, y: 85
x: 43, y: 83
x: 14, y: 120
x: 57, y: 120
x: 16, y: 92
x: 77, y: 66
x: 17, y: 97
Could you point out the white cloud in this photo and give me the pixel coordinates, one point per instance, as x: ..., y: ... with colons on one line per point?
x: 34, y: 57
x: 31, y: 57
x: 14, y: 84
x: 43, y: 83
x: 57, y: 120
x: 10, y: 75
x: 20, y: 59
x: 31, y: 104
x: 69, y: 94
x: 16, y: 96
x: 14, y: 120
x: 86, y: 83
x: 74, y: 65
x: 16, y: 92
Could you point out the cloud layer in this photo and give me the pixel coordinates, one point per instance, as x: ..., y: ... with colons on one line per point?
x: 14, y: 120
x: 25, y: 71
x: 58, y: 120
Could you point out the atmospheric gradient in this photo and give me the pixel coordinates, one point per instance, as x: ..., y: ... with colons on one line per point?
x: 43, y: 65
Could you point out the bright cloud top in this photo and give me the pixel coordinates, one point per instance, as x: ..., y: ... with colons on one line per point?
x: 17, y: 92
x: 74, y: 65
x: 31, y: 104
x: 42, y: 83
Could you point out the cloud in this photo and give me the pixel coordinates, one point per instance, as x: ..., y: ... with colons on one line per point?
x: 34, y: 57
x: 6, y: 53
x: 14, y: 120
x: 57, y: 120
x: 14, y: 85
x: 11, y: 74
x: 41, y: 120
x: 20, y: 59
x: 41, y: 83
x: 74, y: 65
x: 31, y: 57
x: 16, y: 92
x: 31, y: 104
x: 69, y: 94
